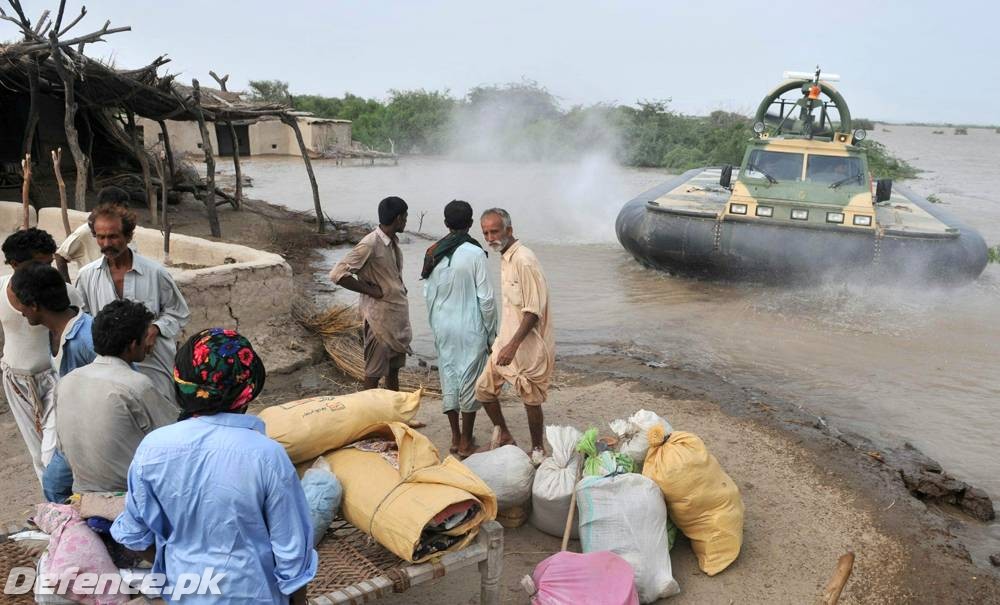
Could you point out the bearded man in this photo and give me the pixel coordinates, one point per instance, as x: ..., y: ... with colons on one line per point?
x: 524, y: 352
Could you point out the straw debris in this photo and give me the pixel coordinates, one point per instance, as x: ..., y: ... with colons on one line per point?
x: 340, y: 328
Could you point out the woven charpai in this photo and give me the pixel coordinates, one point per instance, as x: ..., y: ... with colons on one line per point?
x: 347, y: 556
x: 11, y: 556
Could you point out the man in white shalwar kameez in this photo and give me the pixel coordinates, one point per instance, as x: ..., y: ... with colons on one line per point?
x: 463, y: 317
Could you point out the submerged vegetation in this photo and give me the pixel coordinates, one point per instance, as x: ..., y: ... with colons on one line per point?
x: 994, y: 254
x: 523, y: 121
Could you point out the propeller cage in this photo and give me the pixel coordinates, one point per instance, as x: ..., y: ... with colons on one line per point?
x: 808, y: 116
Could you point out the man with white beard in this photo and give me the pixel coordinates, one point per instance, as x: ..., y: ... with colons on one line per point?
x: 524, y: 351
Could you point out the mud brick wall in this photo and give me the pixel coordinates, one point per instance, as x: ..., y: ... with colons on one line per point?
x: 234, y: 296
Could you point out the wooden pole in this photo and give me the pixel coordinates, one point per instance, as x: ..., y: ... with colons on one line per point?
x: 168, y: 151
x: 491, y: 569
x: 831, y: 593
x: 165, y: 224
x: 32, y: 125
x: 69, y: 123
x: 140, y: 154
x: 90, y: 150
x: 236, y: 144
x: 26, y: 189
x: 236, y: 165
x: 572, y: 508
x: 293, y: 123
x: 206, y: 143
x: 63, y: 205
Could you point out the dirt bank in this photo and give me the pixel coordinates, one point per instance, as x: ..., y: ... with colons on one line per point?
x: 809, y: 496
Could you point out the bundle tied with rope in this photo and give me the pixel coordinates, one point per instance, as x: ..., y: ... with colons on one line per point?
x: 397, y: 490
x: 341, y: 330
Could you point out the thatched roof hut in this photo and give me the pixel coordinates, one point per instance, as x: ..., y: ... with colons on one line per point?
x: 53, y: 96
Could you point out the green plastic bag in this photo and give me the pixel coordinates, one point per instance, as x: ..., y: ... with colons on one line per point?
x: 600, y: 462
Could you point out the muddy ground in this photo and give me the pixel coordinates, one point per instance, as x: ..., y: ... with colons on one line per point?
x: 809, y: 496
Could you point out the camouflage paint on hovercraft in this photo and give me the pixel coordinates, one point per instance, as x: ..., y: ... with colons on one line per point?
x: 802, y: 204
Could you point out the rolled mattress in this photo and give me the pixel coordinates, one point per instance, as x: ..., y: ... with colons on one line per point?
x: 398, y: 491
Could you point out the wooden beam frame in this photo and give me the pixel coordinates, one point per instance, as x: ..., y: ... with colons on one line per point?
x: 486, y: 552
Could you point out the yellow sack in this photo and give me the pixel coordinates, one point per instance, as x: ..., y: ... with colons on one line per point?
x: 395, y: 505
x: 703, y: 501
x: 311, y: 427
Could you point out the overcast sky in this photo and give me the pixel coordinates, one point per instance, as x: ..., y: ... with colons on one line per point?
x: 900, y: 61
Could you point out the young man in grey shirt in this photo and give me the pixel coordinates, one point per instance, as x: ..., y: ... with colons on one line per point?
x: 105, y: 408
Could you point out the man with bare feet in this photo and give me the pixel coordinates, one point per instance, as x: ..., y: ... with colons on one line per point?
x: 524, y: 352
x: 374, y: 269
x: 462, y: 314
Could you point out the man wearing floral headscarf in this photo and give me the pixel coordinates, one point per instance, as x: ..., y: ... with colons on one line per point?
x: 213, y: 492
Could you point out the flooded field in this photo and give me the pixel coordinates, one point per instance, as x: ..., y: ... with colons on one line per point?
x: 893, y: 363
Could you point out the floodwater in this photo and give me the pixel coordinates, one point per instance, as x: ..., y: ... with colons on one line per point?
x: 896, y: 364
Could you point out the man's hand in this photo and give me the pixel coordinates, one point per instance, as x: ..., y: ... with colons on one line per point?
x: 507, y: 353
x: 354, y: 284
x: 372, y: 289
x: 151, y: 335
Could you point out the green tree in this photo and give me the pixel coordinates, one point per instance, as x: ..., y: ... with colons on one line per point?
x: 418, y: 120
x: 268, y: 91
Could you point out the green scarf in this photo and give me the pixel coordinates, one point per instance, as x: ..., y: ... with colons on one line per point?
x: 443, y: 249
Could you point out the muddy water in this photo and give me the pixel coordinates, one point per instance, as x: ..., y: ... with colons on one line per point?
x: 915, y: 364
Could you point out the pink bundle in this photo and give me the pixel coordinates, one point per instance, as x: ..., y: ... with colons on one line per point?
x: 74, y: 549
x: 569, y: 578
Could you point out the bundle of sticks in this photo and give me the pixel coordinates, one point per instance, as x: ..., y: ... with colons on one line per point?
x: 340, y: 328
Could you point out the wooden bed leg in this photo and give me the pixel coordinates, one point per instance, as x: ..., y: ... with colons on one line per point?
x: 492, y: 568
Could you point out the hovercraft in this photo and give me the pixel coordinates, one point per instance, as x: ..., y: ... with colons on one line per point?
x: 803, y: 204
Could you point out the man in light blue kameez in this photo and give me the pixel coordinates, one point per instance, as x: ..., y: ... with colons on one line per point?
x: 122, y: 274
x: 463, y: 317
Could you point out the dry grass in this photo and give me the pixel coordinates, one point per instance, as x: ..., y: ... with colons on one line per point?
x: 340, y: 328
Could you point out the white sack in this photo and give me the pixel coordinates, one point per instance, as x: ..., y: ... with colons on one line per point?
x: 626, y: 514
x: 508, y: 471
x: 631, y: 434
x: 555, y: 481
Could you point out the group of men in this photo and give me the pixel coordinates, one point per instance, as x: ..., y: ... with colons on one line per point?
x: 476, y: 357
x: 107, y: 342
x: 107, y: 404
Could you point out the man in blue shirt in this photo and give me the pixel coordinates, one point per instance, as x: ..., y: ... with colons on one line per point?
x: 45, y: 302
x: 41, y: 298
x: 212, y: 492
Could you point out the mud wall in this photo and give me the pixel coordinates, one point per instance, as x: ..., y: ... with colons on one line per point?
x: 12, y: 217
x: 185, y: 137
